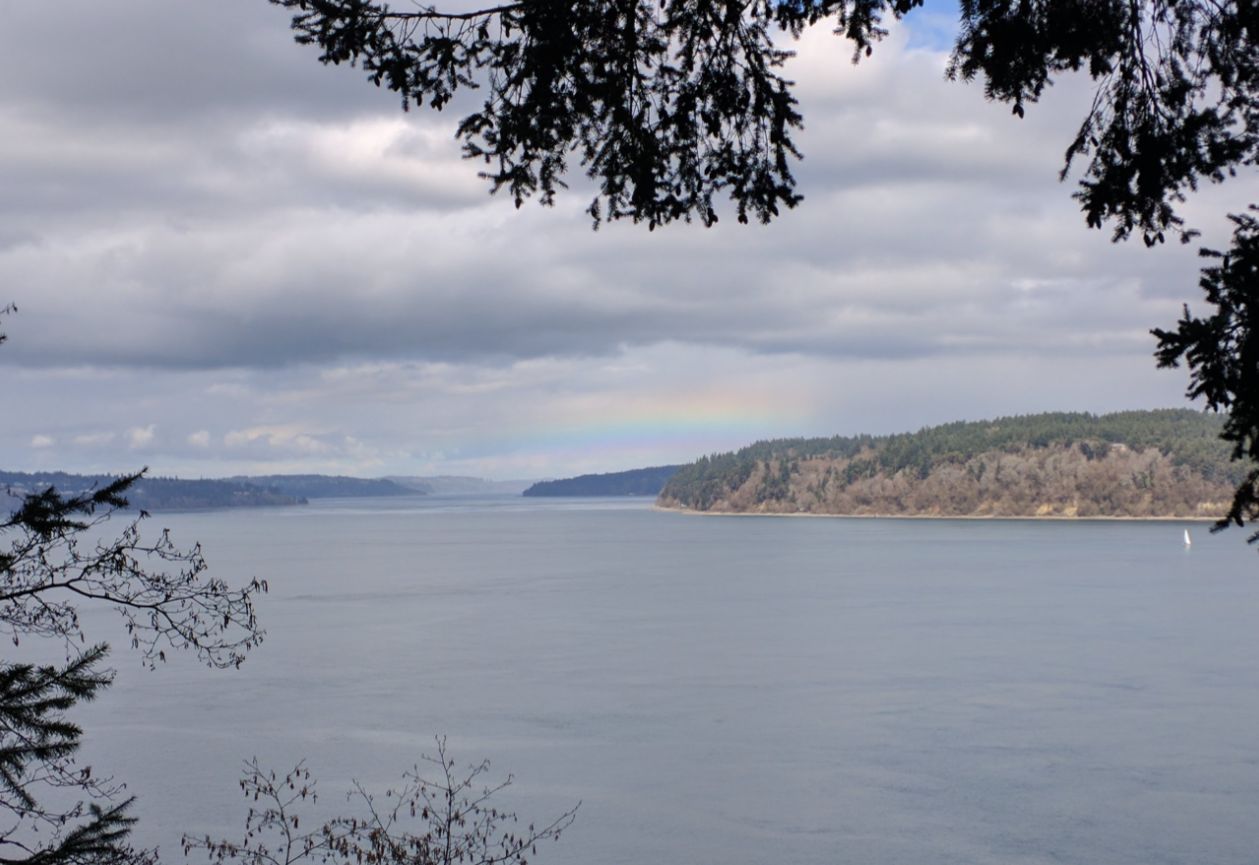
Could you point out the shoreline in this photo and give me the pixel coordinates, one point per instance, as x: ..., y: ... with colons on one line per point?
x: 1024, y: 518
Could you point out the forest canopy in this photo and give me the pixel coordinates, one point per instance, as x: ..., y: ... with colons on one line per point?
x: 1138, y: 464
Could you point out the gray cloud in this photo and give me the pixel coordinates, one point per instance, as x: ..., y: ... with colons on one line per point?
x: 289, y: 232
x: 153, y: 62
x: 528, y: 418
x: 231, y: 257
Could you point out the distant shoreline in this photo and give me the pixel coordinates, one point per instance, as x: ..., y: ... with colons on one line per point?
x: 1025, y: 518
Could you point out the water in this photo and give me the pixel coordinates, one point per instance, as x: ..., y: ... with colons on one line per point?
x: 729, y: 690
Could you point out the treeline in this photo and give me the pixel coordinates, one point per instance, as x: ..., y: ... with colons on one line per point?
x: 1140, y: 463
x: 179, y: 494
x: 150, y: 494
x: 635, y: 482
x: 329, y: 486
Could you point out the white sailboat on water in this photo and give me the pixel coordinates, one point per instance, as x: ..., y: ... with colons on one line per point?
x: 1188, y: 540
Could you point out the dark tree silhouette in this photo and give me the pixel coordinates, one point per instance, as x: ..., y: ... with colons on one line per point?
x: 668, y: 104
x: 48, y: 570
x: 455, y: 822
x: 37, y: 747
x: 1222, y: 352
x: 1176, y: 102
x: 52, y: 810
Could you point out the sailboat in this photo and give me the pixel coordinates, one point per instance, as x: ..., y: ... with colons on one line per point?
x: 1188, y: 540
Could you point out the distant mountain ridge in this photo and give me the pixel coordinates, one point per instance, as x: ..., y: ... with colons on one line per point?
x: 168, y: 493
x: 176, y: 494
x: 328, y: 486
x: 459, y: 485
x: 151, y: 493
x: 1164, y: 463
x: 635, y: 482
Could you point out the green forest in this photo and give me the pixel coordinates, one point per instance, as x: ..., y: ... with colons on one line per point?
x: 1165, y: 463
x: 635, y: 482
x: 179, y: 494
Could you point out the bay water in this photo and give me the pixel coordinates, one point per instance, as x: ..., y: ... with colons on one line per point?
x: 731, y: 690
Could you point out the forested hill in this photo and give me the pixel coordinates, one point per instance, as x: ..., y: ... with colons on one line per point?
x: 1133, y: 464
x: 171, y: 494
x: 329, y: 486
x: 150, y: 494
x: 635, y: 482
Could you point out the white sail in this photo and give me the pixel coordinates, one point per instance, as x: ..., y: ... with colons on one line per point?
x: 1188, y: 540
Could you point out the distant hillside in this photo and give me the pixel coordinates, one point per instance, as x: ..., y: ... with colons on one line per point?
x: 151, y: 494
x: 176, y: 494
x: 459, y: 485
x: 329, y: 486
x: 635, y: 482
x: 1133, y: 464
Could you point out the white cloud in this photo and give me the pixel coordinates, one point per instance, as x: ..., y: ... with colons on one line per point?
x: 287, y: 438
x: 42, y: 441
x: 140, y: 437
x: 199, y: 439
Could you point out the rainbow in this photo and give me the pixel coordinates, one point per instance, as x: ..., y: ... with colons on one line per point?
x: 683, y: 427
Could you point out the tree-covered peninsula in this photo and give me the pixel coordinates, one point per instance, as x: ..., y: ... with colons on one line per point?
x: 635, y: 482
x: 148, y: 493
x: 179, y: 494
x: 1167, y: 463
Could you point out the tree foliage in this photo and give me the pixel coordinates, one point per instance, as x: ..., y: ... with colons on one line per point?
x: 446, y: 820
x: 56, y: 559
x: 1176, y: 102
x: 669, y: 103
x: 37, y: 748
x: 663, y: 108
x: 1222, y: 352
x: 162, y: 592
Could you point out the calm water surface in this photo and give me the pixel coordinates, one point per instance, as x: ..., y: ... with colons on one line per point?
x: 730, y: 690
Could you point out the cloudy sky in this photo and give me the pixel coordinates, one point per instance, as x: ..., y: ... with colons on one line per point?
x: 230, y: 259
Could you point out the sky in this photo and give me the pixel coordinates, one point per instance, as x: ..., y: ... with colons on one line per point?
x: 229, y: 259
